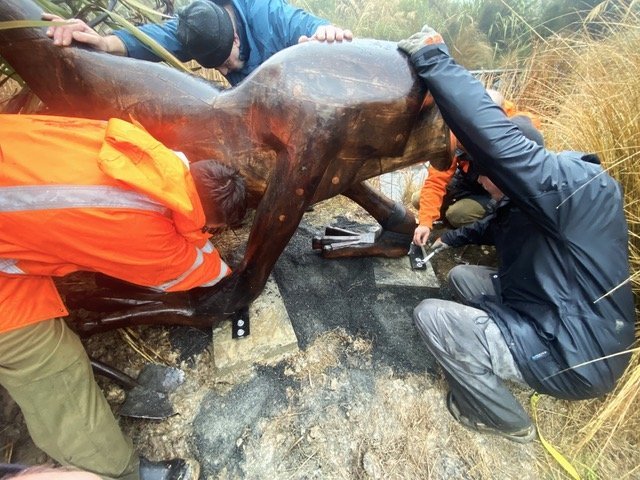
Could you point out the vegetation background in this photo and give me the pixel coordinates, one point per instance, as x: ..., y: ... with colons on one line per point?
x: 574, y: 63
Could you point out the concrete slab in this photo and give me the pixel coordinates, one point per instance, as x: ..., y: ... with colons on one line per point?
x: 397, y: 272
x: 272, y: 335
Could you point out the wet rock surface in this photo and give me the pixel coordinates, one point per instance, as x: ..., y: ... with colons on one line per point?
x: 342, y: 293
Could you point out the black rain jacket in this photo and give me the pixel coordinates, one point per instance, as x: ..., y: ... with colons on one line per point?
x: 564, y: 302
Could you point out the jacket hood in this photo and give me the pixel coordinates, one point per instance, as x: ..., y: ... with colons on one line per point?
x: 132, y: 156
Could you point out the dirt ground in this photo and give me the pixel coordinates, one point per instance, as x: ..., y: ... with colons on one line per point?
x: 361, y: 399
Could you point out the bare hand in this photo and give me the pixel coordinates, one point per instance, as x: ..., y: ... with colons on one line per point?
x: 74, y: 30
x: 421, y: 235
x: 328, y: 33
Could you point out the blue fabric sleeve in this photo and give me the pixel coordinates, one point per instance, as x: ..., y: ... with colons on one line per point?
x: 289, y: 23
x: 164, y: 34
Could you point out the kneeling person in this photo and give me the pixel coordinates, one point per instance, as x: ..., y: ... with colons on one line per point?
x: 558, y: 313
x: 97, y: 196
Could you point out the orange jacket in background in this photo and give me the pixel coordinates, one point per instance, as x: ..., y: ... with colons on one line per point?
x: 433, y: 192
x: 98, y: 196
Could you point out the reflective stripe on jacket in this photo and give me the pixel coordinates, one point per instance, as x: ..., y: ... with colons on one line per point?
x: 98, y: 196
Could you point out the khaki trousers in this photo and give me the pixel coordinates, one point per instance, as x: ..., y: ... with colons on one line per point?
x: 46, y: 370
x: 466, y: 211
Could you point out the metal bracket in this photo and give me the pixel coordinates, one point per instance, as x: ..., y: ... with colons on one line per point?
x: 417, y: 257
x: 335, y: 238
x: 240, y: 327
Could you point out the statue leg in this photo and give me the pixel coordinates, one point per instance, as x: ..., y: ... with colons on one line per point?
x: 391, y: 240
x: 116, y: 304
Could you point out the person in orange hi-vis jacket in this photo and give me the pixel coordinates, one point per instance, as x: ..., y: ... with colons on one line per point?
x: 106, y: 197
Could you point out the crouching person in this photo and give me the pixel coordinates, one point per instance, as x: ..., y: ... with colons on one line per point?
x: 558, y: 312
x: 106, y: 197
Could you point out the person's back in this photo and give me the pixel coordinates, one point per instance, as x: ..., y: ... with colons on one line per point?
x: 558, y: 278
x: 73, y: 199
x: 265, y: 28
x: 572, y: 282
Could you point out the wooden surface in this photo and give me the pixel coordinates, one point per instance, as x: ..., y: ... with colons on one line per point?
x: 312, y: 122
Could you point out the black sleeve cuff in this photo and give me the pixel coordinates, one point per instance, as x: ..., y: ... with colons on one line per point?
x: 429, y: 51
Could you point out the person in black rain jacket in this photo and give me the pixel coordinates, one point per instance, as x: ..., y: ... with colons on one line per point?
x: 558, y: 313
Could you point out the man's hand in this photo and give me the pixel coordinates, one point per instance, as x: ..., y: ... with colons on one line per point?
x: 76, y: 30
x: 426, y: 36
x: 328, y: 33
x: 421, y: 235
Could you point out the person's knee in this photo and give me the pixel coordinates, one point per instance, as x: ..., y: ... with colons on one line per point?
x: 422, y: 313
x: 456, y: 275
x: 441, y: 323
x: 426, y: 316
x: 464, y: 212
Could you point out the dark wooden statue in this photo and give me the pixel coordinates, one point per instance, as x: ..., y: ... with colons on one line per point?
x: 312, y: 122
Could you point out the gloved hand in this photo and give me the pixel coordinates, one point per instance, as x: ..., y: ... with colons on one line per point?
x: 438, y: 245
x: 426, y: 36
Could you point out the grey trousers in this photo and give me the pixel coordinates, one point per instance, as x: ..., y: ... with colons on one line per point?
x: 473, y: 352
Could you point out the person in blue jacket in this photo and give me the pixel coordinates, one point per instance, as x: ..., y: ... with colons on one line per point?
x: 558, y: 313
x: 233, y: 36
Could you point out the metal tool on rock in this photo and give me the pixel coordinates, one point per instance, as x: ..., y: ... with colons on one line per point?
x: 418, y: 257
x: 148, y: 395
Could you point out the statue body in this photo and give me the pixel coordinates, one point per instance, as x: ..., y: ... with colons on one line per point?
x: 312, y: 122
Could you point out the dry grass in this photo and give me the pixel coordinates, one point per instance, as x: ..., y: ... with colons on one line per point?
x: 352, y: 419
x: 322, y: 354
x: 6, y: 451
x: 7, y: 90
x: 587, y: 93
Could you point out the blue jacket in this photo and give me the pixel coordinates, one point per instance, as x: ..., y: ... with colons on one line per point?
x: 563, y: 300
x: 264, y: 26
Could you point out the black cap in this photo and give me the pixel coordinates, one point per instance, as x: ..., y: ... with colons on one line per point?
x: 206, y: 31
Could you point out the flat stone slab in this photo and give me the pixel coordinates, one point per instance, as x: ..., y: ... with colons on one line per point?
x: 397, y: 272
x: 271, y: 337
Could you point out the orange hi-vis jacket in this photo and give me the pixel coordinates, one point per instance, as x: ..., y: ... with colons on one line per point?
x: 435, y: 185
x: 80, y: 194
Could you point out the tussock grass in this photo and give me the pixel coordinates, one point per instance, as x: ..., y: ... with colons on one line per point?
x: 587, y: 91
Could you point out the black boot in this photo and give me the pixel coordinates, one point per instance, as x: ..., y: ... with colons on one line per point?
x: 11, y: 468
x: 176, y: 469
